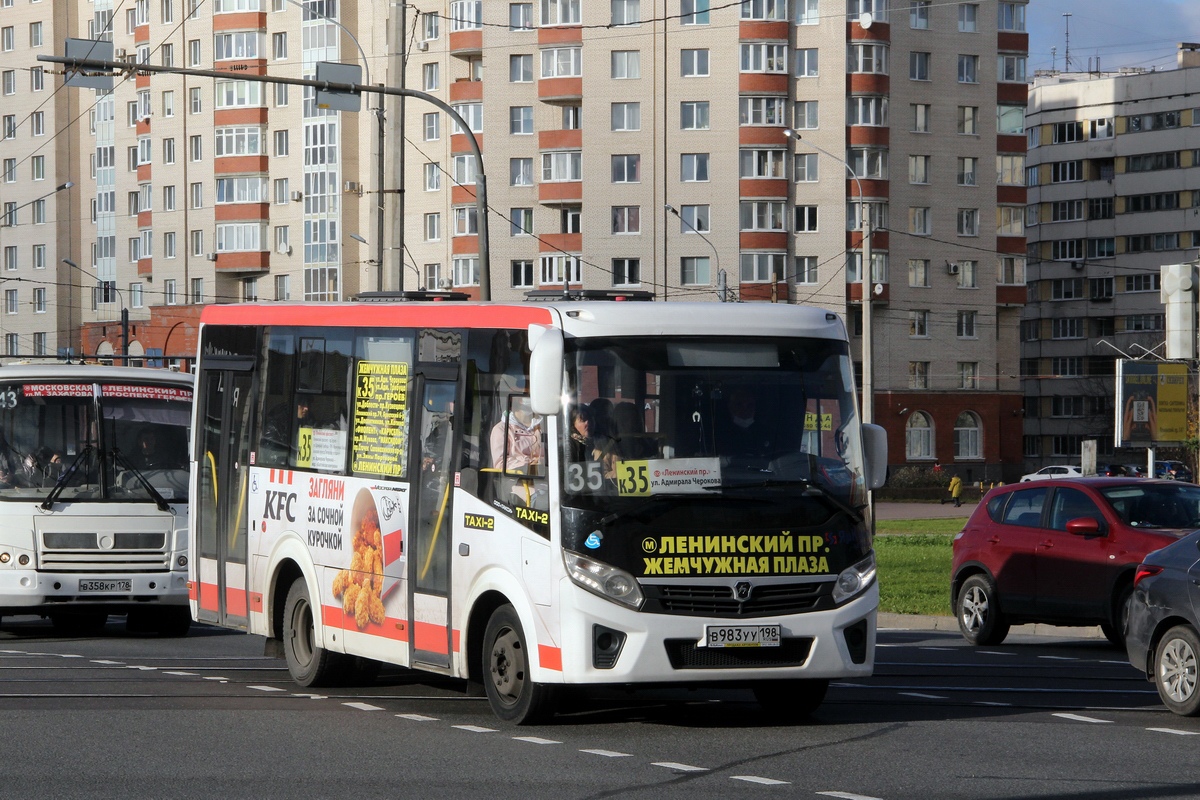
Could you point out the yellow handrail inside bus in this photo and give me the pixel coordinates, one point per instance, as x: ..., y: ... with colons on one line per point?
x: 212, y: 465
x: 241, y: 506
x: 437, y: 530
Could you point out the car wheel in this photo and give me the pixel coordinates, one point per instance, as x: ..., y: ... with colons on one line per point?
x: 1175, y: 663
x: 1115, y: 631
x: 978, y: 612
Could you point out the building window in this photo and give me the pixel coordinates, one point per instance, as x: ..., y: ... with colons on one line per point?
x: 693, y: 115
x: 694, y: 12
x: 968, y: 222
x: 968, y: 431
x: 1010, y: 69
x: 430, y: 76
x: 806, y: 219
x: 694, y: 63
x: 283, y: 287
x: 968, y: 16
x: 918, y: 14
x: 520, y: 68
x: 968, y: 171
x: 695, y: 271
x: 763, y: 57
x: 694, y: 167
x: 626, y: 271
x: 761, y: 215
x: 761, y: 163
x: 767, y: 9
x: 761, y: 267
x: 520, y: 171
x: 918, y: 66
x: 433, y: 227
x: 806, y: 62
x: 562, y: 62
x: 279, y: 45
x: 522, y: 221
x: 966, y: 324
x: 968, y: 69
x: 626, y: 64
x: 433, y: 177
x: 918, y: 430
x: 466, y: 221
x: 1011, y: 17
x: 918, y: 324
x: 920, y: 221
x: 918, y: 272
x: 805, y: 116
x: 520, y: 17
x: 520, y: 120
x: 866, y: 59
x: 806, y: 270
x: 807, y: 12
x: 867, y: 110
x: 522, y: 274
x: 626, y: 116
x: 694, y: 219
x: 626, y: 219
x: 559, y: 268
x: 562, y: 166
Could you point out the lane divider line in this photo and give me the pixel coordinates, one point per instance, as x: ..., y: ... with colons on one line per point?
x: 363, y: 706
x: 1081, y: 718
x: 266, y: 688
x: 534, y: 740
x: 606, y: 753
x: 758, y: 779
x: 417, y: 717
x: 1174, y: 731
x: 680, y: 767
x: 474, y: 729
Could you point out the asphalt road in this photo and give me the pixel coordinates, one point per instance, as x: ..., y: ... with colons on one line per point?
x: 128, y: 717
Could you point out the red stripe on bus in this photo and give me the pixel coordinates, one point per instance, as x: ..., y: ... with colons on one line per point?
x: 256, y: 601
x: 235, y: 602
x: 430, y: 637
x: 454, y: 640
x: 393, y: 629
x: 551, y: 657
x: 209, y: 596
x: 389, y: 315
x: 193, y: 591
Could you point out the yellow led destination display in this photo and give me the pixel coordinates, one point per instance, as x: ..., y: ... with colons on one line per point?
x: 736, y: 554
x: 379, y: 446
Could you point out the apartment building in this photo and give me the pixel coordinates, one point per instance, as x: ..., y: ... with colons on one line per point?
x: 39, y: 193
x: 1114, y: 193
x: 811, y: 109
x: 206, y: 190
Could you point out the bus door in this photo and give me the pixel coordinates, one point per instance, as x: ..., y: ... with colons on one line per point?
x: 220, y: 504
x: 433, y: 465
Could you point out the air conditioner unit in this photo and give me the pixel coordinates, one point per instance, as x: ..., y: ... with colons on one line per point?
x: 446, y: 283
x: 297, y: 196
x: 1078, y: 265
x: 211, y: 256
x: 951, y: 268
x: 352, y: 186
x: 284, y: 249
x: 119, y: 53
x: 422, y: 46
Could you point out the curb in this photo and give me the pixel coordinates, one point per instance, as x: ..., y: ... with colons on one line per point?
x: 917, y: 622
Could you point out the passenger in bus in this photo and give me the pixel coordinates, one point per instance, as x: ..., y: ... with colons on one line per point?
x: 519, y: 435
x: 742, y: 432
x: 9, y: 461
x: 585, y: 446
x: 40, y: 468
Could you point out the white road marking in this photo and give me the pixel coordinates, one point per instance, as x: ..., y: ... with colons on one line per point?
x: 534, y: 740
x: 923, y: 696
x: 143, y: 669
x: 70, y: 655
x: 363, y: 706
x: 311, y: 696
x: 417, y: 717
x: 216, y: 678
x: 1081, y: 718
x: 757, y: 779
x: 1059, y: 658
x: 992, y: 703
x: 266, y: 688
x: 474, y: 729
x: 1174, y: 731
x: 606, y: 753
x: 108, y: 663
x: 849, y: 796
x: 994, y: 653
x: 181, y: 674
x: 680, y: 767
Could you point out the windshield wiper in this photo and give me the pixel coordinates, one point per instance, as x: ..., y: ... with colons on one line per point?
x: 811, y: 489
x: 61, y: 484
x: 158, y: 499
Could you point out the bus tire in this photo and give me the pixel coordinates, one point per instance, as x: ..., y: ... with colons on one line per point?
x: 791, y: 700
x: 308, y: 664
x: 82, y: 622
x: 511, y: 692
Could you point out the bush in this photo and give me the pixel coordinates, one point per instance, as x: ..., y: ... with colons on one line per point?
x: 918, y: 478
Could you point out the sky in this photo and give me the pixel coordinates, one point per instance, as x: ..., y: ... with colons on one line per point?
x: 1121, y: 33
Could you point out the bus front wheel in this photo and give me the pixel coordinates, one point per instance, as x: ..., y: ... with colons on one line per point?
x: 511, y: 691
x: 309, y: 664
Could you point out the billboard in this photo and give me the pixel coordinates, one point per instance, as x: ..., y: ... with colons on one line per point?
x: 1152, y: 403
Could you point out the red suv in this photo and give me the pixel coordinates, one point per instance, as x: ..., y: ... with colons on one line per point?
x: 1062, y: 552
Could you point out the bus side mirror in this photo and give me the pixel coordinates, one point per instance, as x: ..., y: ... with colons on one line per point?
x: 545, y: 369
x: 874, y: 455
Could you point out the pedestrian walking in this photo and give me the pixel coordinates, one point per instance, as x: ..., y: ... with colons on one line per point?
x: 955, y: 489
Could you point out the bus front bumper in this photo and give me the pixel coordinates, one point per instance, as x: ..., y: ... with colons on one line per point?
x: 663, y: 648
x: 28, y: 589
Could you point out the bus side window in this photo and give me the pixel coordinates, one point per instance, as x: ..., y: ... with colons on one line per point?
x: 276, y: 437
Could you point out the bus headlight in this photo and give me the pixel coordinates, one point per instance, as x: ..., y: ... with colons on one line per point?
x: 854, y: 579
x: 603, y: 579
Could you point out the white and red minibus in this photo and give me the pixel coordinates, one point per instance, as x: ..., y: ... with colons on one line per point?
x: 534, y: 496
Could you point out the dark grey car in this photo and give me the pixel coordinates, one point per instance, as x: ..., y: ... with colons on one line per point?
x: 1163, y: 637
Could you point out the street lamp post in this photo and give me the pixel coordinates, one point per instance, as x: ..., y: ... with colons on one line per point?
x: 868, y: 381
x: 716, y: 255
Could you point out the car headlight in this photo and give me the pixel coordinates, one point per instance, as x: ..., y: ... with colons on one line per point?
x: 603, y: 579
x: 855, y: 579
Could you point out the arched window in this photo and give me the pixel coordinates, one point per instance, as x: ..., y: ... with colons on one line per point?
x: 967, y: 434
x: 918, y: 436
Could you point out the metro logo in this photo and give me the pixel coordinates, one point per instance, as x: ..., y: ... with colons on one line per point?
x: 280, y: 505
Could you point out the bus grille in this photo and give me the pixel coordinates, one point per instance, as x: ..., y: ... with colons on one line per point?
x: 684, y: 654
x: 764, y: 600
x: 74, y: 551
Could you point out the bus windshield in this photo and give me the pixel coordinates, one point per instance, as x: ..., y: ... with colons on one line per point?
x: 711, y: 416
x: 94, y: 441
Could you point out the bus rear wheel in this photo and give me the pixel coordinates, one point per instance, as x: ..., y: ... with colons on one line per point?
x: 790, y: 700
x: 309, y: 664
x: 511, y: 692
